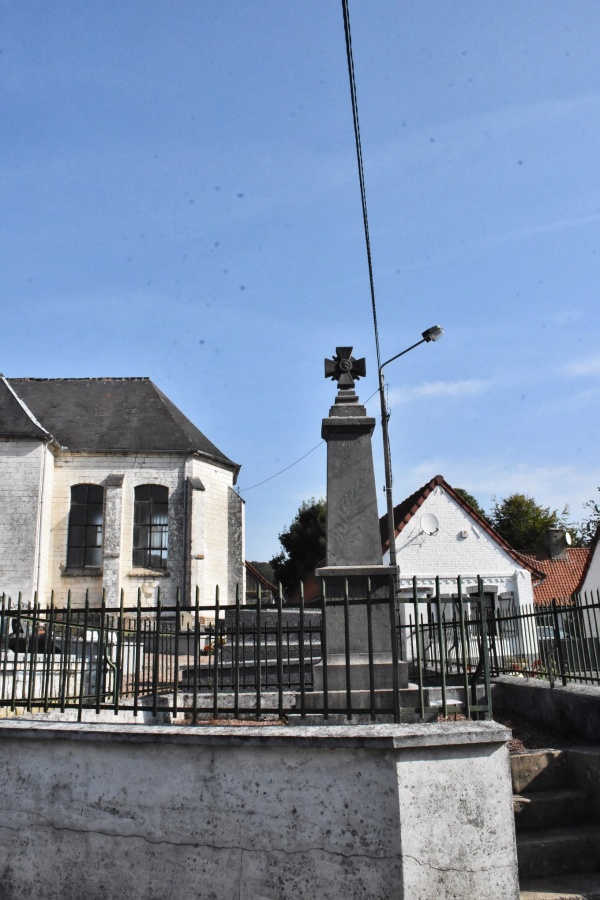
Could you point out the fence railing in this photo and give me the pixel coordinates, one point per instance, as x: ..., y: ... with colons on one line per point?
x: 558, y: 642
x: 207, y: 659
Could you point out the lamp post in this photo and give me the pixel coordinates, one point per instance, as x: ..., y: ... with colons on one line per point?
x: 431, y: 334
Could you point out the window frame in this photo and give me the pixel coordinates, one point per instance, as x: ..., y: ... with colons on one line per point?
x: 85, y: 537
x: 150, y: 546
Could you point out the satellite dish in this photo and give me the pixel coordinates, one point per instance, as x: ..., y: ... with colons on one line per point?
x: 568, y: 539
x: 429, y: 523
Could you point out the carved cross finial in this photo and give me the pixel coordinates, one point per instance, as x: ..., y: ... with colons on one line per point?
x: 344, y: 369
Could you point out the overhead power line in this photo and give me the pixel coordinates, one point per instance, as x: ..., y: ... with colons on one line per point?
x: 281, y: 471
x: 361, y: 174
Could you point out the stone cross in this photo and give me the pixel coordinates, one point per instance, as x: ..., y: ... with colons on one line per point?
x: 344, y: 369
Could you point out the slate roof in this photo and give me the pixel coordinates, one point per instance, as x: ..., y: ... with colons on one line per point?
x: 405, y: 510
x: 562, y: 576
x: 100, y: 415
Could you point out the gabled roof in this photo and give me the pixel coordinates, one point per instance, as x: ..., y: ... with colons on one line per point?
x: 404, y: 512
x: 593, y: 548
x: 562, y: 576
x: 103, y: 414
x: 16, y: 420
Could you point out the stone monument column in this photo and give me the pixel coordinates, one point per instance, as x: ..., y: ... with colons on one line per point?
x: 354, y: 559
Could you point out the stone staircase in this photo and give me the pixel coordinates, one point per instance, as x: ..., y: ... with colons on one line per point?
x: 558, y: 837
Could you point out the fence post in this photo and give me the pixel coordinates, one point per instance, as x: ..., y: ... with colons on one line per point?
x: 441, y: 624
x: 419, y: 637
x: 235, y: 656
x: 395, y: 658
x: 301, y: 659
x: 280, y: 653
x: 258, y: 653
x: 485, y: 650
x: 557, y: 641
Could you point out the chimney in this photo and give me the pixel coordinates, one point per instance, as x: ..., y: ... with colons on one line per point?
x: 557, y: 543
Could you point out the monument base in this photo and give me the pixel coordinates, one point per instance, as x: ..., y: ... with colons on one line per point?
x: 409, y: 812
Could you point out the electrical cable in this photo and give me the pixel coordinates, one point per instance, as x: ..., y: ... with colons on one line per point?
x: 281, y: 471
x: 361, y: 174
x: 363, y: 197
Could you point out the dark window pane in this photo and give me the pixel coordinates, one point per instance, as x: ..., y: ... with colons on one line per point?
x: 138, y: 557
x: 160, y: 494
x: 141, y: 513
x: 77, y: 515
x: 157, y: 559
x: 93, y: 536
x: 77, y: 536
x: 141, y: 537
x: 94, y: 515
x: 93, y: 556
x: 142, y: 492
x: 95, y: 493
x: 75, y: 556
x: 79, y: 493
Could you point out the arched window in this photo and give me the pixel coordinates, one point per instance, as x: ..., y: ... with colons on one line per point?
x: 150, y: 526
x: 84, y: 543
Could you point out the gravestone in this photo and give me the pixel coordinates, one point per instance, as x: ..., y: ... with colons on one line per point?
x: 354, y: 558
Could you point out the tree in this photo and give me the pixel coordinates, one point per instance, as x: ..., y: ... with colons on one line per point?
x: 303, y: 544
x: 588, y: 527
x: 523, y: 523
x: 470, y: 499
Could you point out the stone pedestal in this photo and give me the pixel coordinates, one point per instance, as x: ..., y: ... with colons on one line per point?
x: 337, y: 673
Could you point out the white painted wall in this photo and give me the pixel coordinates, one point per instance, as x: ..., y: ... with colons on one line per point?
x: 20, y: 494
x: 35, y: 494
x: 448, y: 554
x: 591, y: 585
x: 209, y: 526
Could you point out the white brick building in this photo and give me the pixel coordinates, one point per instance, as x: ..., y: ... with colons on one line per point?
x: 438, y: 534
x: 105, y: 484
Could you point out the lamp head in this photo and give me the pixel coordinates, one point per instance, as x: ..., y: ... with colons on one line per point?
x: 433, y: 334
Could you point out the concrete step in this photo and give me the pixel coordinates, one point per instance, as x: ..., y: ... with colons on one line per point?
x: 558, y: 851
x: 539, y: 770
x: 551, y: 809
x: 562, y: 887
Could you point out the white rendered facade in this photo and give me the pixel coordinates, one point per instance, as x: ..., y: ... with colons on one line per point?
x: 460, y: 546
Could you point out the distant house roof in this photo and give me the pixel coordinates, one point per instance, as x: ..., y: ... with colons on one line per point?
x: 100, y: 414
x: 260, y: 579
x: 563, y: 577
x: 405, y: 510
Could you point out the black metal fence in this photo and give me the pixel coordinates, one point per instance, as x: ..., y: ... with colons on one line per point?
x: 205, y: 660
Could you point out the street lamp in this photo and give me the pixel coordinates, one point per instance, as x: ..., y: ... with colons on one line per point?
x: 431, y: 334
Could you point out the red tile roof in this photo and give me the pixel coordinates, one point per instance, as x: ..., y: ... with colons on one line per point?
x: 563, y: 576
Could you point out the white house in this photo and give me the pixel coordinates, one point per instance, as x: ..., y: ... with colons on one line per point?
x: 105, y: 484
x: 438, y: 533
x: 589, y: 583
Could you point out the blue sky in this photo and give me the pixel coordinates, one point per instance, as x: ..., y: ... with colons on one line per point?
x: 180, y: 200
